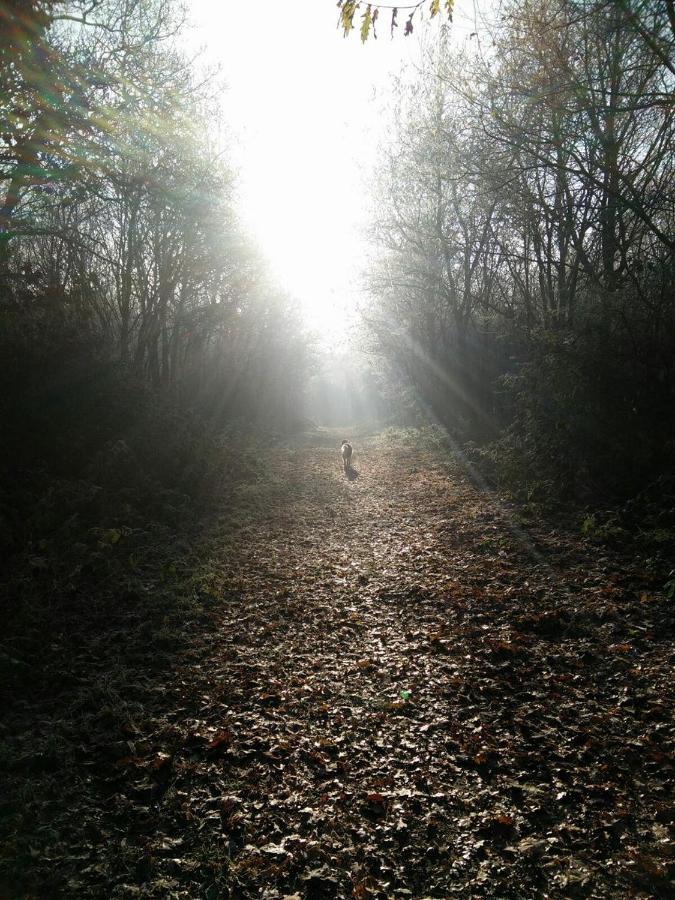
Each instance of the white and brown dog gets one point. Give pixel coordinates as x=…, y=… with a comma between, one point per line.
x=346, y=451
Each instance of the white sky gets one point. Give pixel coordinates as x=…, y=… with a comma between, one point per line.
x=302, y=103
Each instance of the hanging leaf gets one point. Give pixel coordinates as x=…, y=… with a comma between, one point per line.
x=347, y=15
x=435, y=7
x=367, y=21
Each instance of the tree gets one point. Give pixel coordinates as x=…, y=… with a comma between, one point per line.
x=435, y=226
x=525, y=229
x=126, y=256
x=58, y=67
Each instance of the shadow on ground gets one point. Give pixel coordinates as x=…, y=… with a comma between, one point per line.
x=374, y=691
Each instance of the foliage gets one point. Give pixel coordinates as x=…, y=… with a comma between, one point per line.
x=524, y=213
x=371, y=12
x=136, y=318
x=603, y=531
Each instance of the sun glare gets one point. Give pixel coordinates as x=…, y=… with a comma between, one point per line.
x=299, y=207
x=304, y=105
x=300, y=98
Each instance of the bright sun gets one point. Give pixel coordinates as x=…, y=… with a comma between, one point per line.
x=304, y=107
x=303, y=213
x=299, y=100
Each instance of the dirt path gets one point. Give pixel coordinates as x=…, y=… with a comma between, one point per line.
x=397, y=692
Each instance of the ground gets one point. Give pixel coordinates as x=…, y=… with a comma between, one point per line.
x=390, y=683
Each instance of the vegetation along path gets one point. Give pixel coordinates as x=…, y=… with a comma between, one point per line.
x=395, y=688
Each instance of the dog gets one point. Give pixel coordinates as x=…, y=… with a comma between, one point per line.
x=346, y=451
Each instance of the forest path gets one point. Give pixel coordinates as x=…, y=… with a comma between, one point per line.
x=382, y=686
x=409, y=696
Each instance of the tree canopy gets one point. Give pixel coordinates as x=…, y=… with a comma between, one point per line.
x=524, y=226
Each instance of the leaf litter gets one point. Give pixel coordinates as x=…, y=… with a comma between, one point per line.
x=390, y=689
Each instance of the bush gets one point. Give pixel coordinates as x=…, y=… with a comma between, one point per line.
x=86, y=440
x=593, y=411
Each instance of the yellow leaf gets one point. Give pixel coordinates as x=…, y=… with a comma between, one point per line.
x=435, y=7
x=111, y=536
x=347, y=15
x=367, y=19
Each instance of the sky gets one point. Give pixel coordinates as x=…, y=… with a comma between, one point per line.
x=305, y=108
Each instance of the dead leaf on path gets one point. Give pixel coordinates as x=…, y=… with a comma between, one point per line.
x=220, y=743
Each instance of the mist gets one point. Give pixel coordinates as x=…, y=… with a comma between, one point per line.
x=337, y=471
